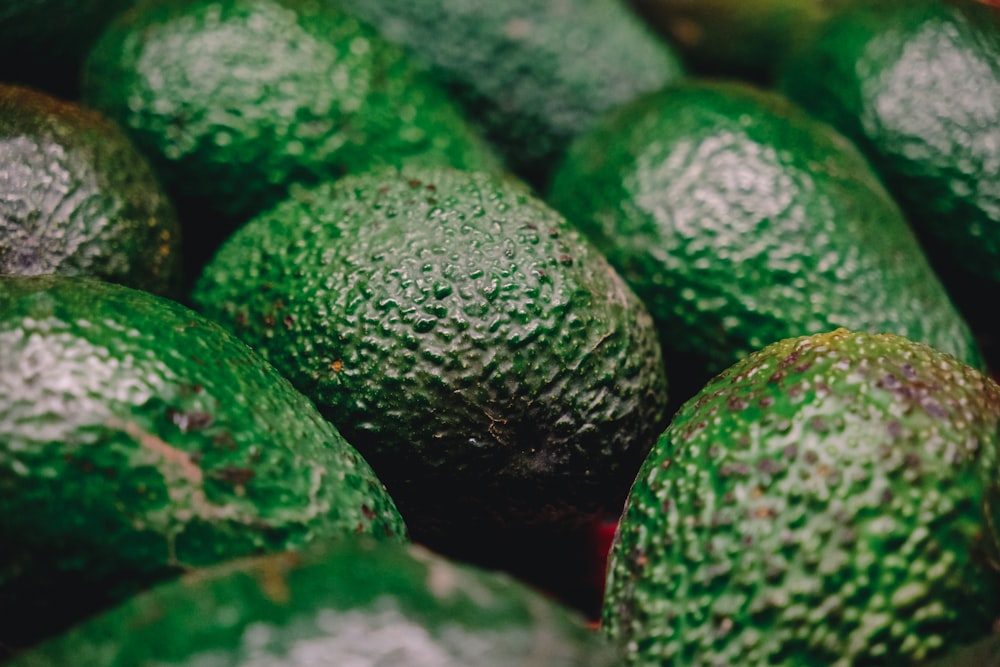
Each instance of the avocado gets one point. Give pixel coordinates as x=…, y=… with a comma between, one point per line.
x=740, y=220
x=489, y=363
x=348, y=602
x=43, y=42
x=916, y=85
x=235, y=101
x=531, y=74
x=828, y=500
x=78, y=198
x=137, y=440
x=746, y=39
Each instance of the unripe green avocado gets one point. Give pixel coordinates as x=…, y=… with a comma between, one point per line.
x=138, y=439
x=351, y=602
x=531, y=74
x=828, y=500
x=485, y=358
x=916, y=83
x=236, y=101
x=78, y=198
x=740, y=220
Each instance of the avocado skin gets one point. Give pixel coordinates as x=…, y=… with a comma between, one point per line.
x=350, y=601
x=819, y=502
x=138, y=439
x=236, y=101
x=740, y=220
x=484, y=357
x=531, y=74
x=917, y=86
x=78, y=198
x=43, y=42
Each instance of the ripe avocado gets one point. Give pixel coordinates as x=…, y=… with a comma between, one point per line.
x=350, y=602
x=828, y=500
x=77, y=198
x=138, y=439
x=531, y=73
x=916, y=84
x=740, y=220
x=43, y=42
x=488, y=362
x=237, y=100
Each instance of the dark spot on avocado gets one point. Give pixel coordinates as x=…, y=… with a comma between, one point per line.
x=233, y=475
x=189, y=421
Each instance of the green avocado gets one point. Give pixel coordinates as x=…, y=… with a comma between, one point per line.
x=828, y=500
x=236, y=101
x=137, y=440
x=532, y=74
x=351, y=602
x=78, y=198
x=487, y=360
x=740, y=220
x=916, y=84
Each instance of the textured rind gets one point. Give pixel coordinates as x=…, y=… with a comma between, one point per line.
x=740, y=221
x=820, y=502
x=138, y=439
x=531, y=74
x=78, y=198
x=917, y=85
x=360, y=603
x=235, y=100
x=482, y=355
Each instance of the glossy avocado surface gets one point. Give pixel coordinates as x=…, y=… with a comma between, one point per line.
x=138, y=439
x=830, y=499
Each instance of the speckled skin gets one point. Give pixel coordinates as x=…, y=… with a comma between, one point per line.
x=821, y=502
x=485, y=358
x=917, y=85
x=138, y=439
x=532, y=74
x=78, y=198
x=360, y=603
x=237, y=99
x=741, y=221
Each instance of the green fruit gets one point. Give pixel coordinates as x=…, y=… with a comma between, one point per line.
x=532, y=75
x=138, y=439
x=829, y=500
x=486, y=360
x=745, y=38
x=740, y=220
x=77, y=198
x=353, y=602
x=917, y=85
x=237, y=100
x=43, y=42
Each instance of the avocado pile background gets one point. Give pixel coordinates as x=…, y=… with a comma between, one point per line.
x=566, y=104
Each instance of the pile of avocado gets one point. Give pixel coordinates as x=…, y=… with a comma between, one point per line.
x=570, y=332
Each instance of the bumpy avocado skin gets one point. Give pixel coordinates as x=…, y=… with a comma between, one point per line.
x=532, y=74
x=484, y=357
x=78, y=198
x=829, y=499
x=235, y=101
x=352, y=602
x=740, y=221
x=138, y=439
x=917, y=86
